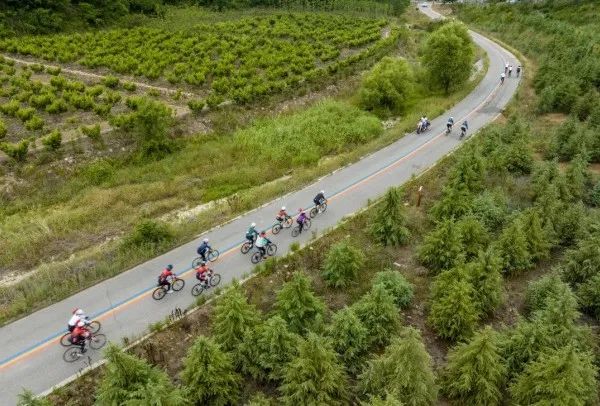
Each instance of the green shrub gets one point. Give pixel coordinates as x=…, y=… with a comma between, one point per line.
x=513, y=248
x=149, y=233
x=57, y=106
x=539, y=291
x=10, y=108
x=441, y=248
x=34, y=123
x=25, y=113
x=232, y=316
x=349, y=338
x=110, y=81
x=396, y=285
x=589, y=296
x=53, y=140
x=298, y=305
x=378, y=313
x=129, y=86
x=3, y=129
x=53, y=70
x=17, y=151
x=485, y=274
x=389, y=222
x=342, y=264
x=196, y=105
x=473, y=235
x=92, y=132
x=99, y=172
x=388, y=87
x=594, y=197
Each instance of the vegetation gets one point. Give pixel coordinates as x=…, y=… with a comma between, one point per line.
x=343, y=264
x=388, y=87
x=389, y=224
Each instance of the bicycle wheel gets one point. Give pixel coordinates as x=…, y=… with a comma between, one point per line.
x=313, y=212
x=246, y=247
x=197, y=289
x=271, y=249
x=159, y=293
x=65, y=340
x=72, y=354
x=97, y=341
x=213, y=255
x=215, y=279
x=307, y=224
x=276, y=228
x=196, y=262
x=288, y=222
x=323, y=207
x=94, y=326
x=256, y=258
x=296, y=231
x=177, y=284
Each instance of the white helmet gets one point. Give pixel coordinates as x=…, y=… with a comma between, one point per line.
x=79, y=312
x=80, y=324
x=322, y=191
x=253, y=225
x=282, y=207
x=452, y=118
x=206, y=240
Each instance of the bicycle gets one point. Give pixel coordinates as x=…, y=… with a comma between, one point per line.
x=247, y=245
x=448, y=128
x=281, y=224
x=270, y=250
x=463, y=132
x=318, y=209
x=93, y=327
x=213, y=280
x=211, y=256
x=176, y=284
x=73, y=353
x=296, y=230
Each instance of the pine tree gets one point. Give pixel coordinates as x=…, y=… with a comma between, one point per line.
x=513, y=249
x=209, y=375
x=27, y=398
x=298, y=305
x=453, y=312
x=342, y=264
x=388, y=400
x=577, y=177
x=314, y=376
x=541, y=290
x=130, y=380
x=396, y=285
x=404, y=370
x=469, y=171
x=473, y=235
x=539, y=240
x=389, y=223
x=441, y=248
x=548, y=204
x=456, y=201
x=379, y=314
x=589, y=296
x=582, y=262
x=259, y=399
x=485, y=274
x=561, y=377
x=276, y=347
x=233, y=315
x=348, y=337
x=475, y=373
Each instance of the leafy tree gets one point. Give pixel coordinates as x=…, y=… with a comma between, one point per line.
x=209, y=375
x=389, y=223
x=379, y=314
x=442, y=248
x=342, y=264
x=388, y=87
x=456, y=201
x=233, y=315
x=485, y=275
x=349, y=337
x=560, y=377
x=298, y=305
x=27, y=398
x=314, y=376
x=448, y=55
x=513, y=248
x=130, y=380
x=475, y=373
x=589, y=296
x=539, y=239
x=474, y=236
x=396, y=285
x=404, y=370
x=453, y=313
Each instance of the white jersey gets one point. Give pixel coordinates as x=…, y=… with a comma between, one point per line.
x=74, y=320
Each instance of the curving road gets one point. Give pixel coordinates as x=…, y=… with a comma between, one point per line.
x=123, y=304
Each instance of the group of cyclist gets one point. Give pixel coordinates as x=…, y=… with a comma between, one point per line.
x=424, y=124
x=508, y=69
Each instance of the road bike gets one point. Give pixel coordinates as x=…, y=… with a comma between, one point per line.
x=318, y=209
x=296, y=229
x=93, y=327
x=247, y=245
x=212, y=256
x=213, y=280
x=270, y=250
x=421, y=128
x=176, y=284
x=74, y=352
x=281, y=224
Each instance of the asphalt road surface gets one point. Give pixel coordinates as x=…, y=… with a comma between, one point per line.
x=30, y=355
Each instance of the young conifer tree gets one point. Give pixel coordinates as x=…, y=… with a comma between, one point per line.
x=389, y=223
x=233, y=315
x=513, y=248
x=378, y=313
x=485, y=274
x=298, y=305
x=442, y=248
x=349, y=337
x=342, y=264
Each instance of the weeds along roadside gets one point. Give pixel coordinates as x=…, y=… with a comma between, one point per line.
x=100, y=262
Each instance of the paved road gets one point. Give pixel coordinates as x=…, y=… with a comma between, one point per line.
x=123, y=303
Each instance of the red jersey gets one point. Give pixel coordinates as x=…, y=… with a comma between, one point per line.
x=166, y=273
x=201, y=271
x=79, y=331
x=282, y=213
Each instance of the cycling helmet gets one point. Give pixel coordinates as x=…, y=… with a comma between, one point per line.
x=169, y=267
x=282, y=207
x=80, y=324
x=79, y=312
x=452, y=118
x=253, y=225
x=322, y=191
x=202, y=263
x=206, y=240
x=262, y=233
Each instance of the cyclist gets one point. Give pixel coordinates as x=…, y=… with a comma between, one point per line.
x=301, y=219
x=506, y=67
x=510, y=70
x=261, y=244
x=79, y=335
x=449, y=124
x=319, y=198
x=203, y=249
x=163, y=278
x=78, y=315
x=502, y=76
x=282, y=215
x=251, y=234
x=463, y=128
x=201, y=273
x=518, y=70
